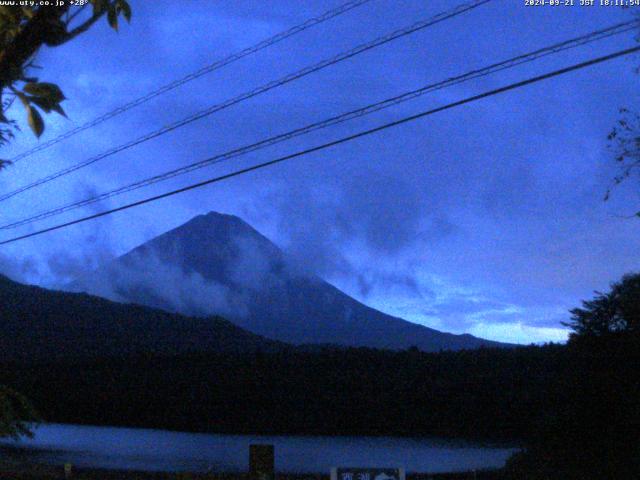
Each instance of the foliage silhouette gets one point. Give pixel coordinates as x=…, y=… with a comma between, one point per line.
x=595, y=433
x=24, y=29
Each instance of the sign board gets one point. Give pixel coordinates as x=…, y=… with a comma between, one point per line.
x=366, y=473
x=261, y=462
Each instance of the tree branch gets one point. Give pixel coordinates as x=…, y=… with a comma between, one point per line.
x=82, y=27
x=75, y=14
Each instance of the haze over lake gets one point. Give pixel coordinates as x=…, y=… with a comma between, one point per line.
x=159, y=450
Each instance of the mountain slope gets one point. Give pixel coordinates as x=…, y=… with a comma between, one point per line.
x=219, y=264
x=40, y=324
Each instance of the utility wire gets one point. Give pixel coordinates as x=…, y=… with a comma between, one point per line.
x=197, y=74
x=420, y=25
x=333, y=143
x=369, y=109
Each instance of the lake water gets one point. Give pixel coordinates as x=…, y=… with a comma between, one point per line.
x=158, y=450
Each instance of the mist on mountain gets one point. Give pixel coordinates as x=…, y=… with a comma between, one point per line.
x=217, y=264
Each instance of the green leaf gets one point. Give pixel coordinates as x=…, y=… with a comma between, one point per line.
x=35, y=121
x=22, y=97
x=58, y=109
x=112, y=18
x=28, y=12
x=47, y=105
x=45, y=90
x=126, y=9
x=99, y=6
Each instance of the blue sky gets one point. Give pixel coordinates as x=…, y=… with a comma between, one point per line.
x=485, y=219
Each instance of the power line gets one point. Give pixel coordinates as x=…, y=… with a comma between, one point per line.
x=333, y=143
x=420, y=25
x=197, y=74
x=369, y=109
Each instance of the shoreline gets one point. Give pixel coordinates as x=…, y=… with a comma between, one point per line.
x=16, y=462
x=460, y=441
x=14, y=470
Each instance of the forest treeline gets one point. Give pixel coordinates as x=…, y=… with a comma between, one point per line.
x=486, y=393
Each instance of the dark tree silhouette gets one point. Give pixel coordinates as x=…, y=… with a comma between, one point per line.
x=595, y=431
x=614, y=312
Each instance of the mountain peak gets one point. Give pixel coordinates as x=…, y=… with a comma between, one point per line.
x=218, y=264
x=212, y=226
x=220, y=218
x=212, y=220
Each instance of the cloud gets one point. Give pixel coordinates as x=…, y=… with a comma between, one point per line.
x=252, y=267
x=19, y=270
x=330, y=227
x=162, y=285
x=167, y=273
x=520, y=333
x=66, y=264
x=400, y=281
